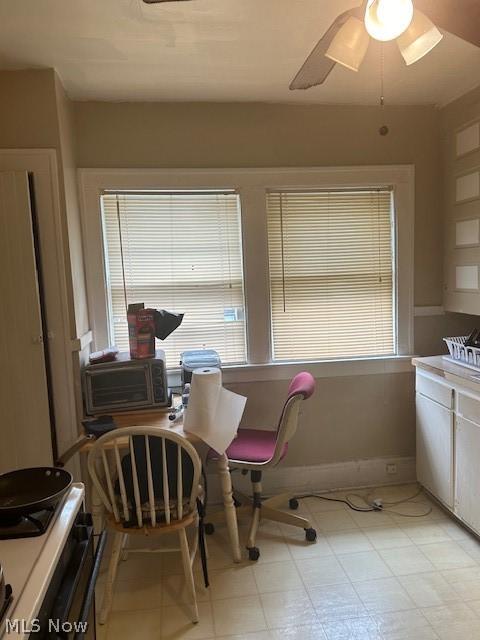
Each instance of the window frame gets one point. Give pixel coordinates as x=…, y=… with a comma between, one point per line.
x=252, y=186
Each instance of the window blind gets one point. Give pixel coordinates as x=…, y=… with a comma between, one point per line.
x=331, y=273
x=181, y=252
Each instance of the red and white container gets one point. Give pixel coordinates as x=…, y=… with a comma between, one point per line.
x=141, y=331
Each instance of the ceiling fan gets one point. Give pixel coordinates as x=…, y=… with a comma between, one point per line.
x=416, y=29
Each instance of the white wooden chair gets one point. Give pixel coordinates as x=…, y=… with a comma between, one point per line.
x=146, y=496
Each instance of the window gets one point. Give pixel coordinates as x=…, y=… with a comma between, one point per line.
x=346, y=278
x=332, y=282
x=181, y=252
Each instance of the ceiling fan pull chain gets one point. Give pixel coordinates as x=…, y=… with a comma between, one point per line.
x=382, y=75
x=383, y=131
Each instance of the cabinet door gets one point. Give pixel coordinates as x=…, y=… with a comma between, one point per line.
x=467, y=476
x=435, y=448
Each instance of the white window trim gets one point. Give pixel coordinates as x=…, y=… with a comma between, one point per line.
x=252, y=185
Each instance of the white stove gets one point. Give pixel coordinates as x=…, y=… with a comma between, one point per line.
x=29, y=564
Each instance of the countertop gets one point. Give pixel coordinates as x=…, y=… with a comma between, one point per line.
x=451, y=371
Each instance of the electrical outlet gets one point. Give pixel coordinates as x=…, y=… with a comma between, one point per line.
x=391, y=468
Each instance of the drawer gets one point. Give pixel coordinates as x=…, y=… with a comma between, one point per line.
x=468, y=407
x=435, y=389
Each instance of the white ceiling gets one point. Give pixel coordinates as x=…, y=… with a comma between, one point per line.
x=214, y=50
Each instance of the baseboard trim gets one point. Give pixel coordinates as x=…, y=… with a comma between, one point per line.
x=326, y=477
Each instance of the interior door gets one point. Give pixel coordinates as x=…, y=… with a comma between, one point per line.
x=435, y=448
x=25, y=430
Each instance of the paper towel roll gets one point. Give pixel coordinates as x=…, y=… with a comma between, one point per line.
x=213, y=413
x=202, y=401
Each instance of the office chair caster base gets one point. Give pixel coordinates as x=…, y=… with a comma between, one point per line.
x=209, y=528
x=293, y=504
x=310, y=535
x=253, y=553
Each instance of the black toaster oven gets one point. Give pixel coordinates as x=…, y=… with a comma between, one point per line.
x=126, y=384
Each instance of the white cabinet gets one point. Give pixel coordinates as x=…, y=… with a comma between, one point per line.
x=448, y=443
x=467, y=476
x=435, y=447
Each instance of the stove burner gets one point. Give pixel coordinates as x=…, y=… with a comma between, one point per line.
x=6, y=603
x=29, y=526
x=10, y=522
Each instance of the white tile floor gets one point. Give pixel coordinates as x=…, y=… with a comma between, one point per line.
x=375, y=576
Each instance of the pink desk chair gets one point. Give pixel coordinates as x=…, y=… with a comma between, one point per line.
x=255, y=450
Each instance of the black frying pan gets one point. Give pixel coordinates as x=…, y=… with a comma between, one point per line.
x=27, y=491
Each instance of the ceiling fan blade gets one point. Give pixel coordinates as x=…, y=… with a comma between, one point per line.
x=158, y=1
x=461, y=18
x=317, y=66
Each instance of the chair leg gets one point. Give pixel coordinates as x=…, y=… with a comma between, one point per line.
x=124, y=554
x=252, y=534
x=218, y=517
x=244, y=513
x=278, y=501
x=243, y=504
x=111, y=575
x=242, y=498
x=256, y=478
x=187, y=568
x=229, y=506
x=285, y=518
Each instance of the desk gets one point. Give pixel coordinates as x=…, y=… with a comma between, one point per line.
x=160, y=419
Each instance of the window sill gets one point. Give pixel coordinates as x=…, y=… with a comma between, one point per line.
x=319, y=369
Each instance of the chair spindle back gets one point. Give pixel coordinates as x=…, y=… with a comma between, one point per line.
x=147, y=484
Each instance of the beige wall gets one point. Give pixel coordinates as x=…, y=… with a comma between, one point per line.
x=459, y=112
x=36, y=114
x=28, y=116
x=365, y=416
x=349, y=417
x=262, y=135
x=72, y=211
x=75, y=264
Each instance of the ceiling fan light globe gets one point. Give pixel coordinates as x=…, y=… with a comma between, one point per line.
x=387, y=19
x=350, y=45
x=419, y=39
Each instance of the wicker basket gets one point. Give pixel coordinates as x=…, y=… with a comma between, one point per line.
x=461, y=353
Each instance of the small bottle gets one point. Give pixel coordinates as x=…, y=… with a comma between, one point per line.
x=185, y=395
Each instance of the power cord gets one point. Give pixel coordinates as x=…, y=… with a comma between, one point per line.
x=343, y=501
x=429, y=508
x=372, y=504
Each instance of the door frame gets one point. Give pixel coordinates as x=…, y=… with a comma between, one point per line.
x=43, y=165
